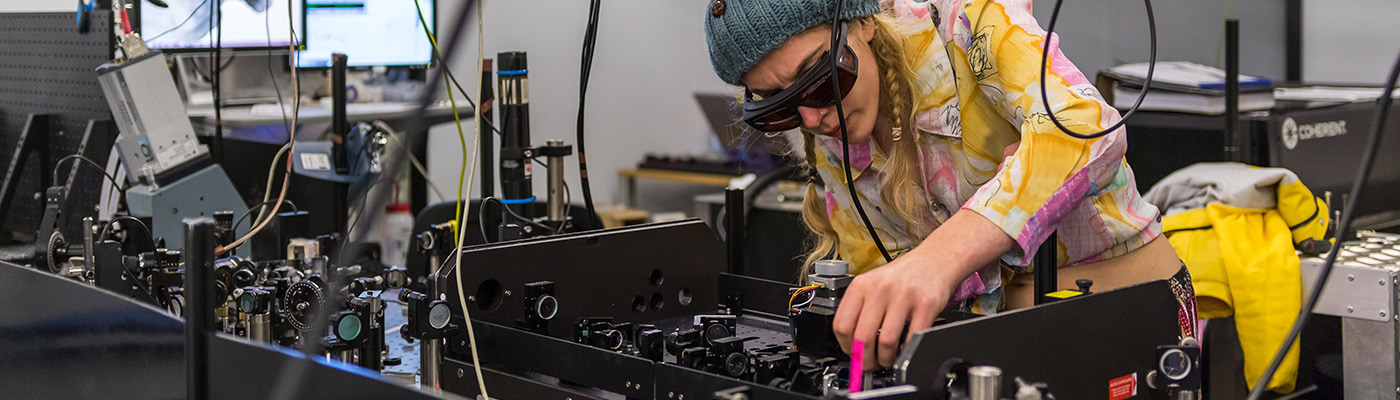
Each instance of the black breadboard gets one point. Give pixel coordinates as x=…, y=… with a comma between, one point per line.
x=47, y=67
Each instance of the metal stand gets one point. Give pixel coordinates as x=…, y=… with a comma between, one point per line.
x=734, y=237
x=198, y=257
x=1046, y=277
x=33, y=139
x=340, y=128
x=1235, y=143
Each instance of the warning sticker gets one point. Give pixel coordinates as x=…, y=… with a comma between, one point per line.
x=316, y=162
x=1123, y=387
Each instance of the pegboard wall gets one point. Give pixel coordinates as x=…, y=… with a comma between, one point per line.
x=48, y=67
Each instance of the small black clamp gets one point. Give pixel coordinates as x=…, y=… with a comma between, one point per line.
x=428, y=319
x=554, y=151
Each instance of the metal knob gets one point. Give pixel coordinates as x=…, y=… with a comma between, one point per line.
x=832, y=268
x=984, y=383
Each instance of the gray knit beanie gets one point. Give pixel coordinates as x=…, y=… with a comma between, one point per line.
x=740, y=32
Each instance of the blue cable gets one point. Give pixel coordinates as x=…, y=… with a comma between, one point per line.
x=519, y=201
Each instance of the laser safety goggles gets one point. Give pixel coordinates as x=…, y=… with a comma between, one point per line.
x=814, y=89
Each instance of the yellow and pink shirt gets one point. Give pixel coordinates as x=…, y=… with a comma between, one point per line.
x=978, y=63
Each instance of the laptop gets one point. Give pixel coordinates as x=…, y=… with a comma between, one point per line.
x=725, y=116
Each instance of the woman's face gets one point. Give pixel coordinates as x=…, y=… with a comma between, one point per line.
x=786, y=64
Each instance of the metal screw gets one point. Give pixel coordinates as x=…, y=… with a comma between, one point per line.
x=507, y=293
x=38, y=196
x=471, y=298
x=680, y=397
x=638, y=386
x=460, y=372
x=1349, y=309
x=672, y=395
x=628, y=384
x=1351, y=277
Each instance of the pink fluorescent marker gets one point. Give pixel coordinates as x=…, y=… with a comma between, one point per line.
x=857, y=365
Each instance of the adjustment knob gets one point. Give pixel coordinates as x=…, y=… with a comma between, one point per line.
x=832, y=268
x=1084, y=285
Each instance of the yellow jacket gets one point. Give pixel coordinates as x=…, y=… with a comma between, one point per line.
x=1236, y=228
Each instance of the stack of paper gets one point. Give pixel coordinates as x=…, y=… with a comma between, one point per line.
x=1186, y=87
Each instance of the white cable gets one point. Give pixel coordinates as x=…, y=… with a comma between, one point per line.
x=291, y=139
x=461, y=232
x=271, y=173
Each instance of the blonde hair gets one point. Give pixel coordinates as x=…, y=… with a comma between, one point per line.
x=901, y=187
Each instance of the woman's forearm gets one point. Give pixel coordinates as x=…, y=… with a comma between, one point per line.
x=967, y=242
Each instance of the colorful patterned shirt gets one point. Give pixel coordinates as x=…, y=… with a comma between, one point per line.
x=978, y=64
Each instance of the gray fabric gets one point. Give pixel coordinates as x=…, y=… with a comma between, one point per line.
x=1231, y=184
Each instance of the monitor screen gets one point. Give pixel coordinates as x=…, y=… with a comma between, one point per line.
x=187, y=24
x=368, y=32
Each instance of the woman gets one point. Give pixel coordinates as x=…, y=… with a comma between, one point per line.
x=961, y=172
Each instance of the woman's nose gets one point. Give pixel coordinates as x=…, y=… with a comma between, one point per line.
x=812, y=117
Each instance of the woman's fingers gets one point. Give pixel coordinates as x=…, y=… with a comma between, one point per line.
x=890, y=332
x=921, y=319
x=872, y=314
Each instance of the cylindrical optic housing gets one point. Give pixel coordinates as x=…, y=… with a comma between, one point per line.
x=555, y=166
x=984, y=383
x=260, y=328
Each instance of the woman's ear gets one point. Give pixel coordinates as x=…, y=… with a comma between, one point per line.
x=864, y=29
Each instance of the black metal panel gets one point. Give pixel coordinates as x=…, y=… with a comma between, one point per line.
x=519, y=351
x=677, y=382
x=60, y=339
x=417, y=263
x=757, y=295
x=596, y=273
x=55, y=333
x=240, y=370
x=1076, y=346
x=503, y=385
x=46, y=66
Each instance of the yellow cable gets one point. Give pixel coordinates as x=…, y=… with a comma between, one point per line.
x=476, y=147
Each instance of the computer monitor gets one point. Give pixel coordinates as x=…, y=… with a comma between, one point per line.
x=247, y=24
x=369, y=32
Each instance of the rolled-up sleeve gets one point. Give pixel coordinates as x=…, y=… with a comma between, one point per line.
x=1051, y=173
